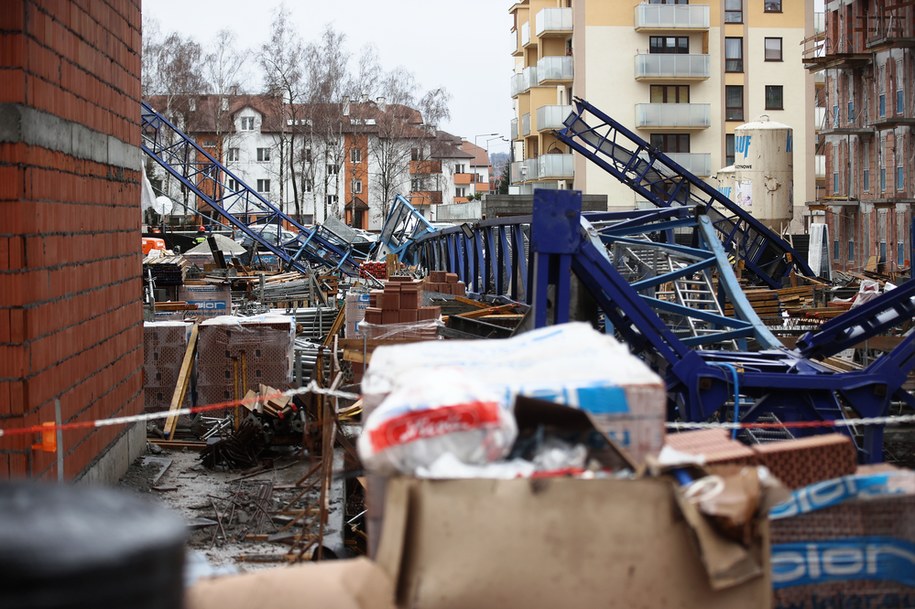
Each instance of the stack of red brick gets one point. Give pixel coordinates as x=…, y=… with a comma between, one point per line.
x=444, y=283
x=377, y=269
x=796, y=463
x=400, y=302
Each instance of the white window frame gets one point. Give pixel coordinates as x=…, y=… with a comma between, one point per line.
x=355, y=155
x=247, y=123
x=357, y=187
x=263, y=185
x=263, y=155
x=232, y=155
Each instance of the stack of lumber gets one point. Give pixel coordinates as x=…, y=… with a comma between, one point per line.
x=166, y=270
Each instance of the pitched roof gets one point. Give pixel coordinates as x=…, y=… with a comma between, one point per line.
x=447, y=146
x=480, y=156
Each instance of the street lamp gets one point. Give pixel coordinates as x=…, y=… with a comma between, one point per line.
x=481, y=135
x=498, y=137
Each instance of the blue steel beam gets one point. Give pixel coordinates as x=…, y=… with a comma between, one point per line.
x=663, y=182
x=204, y=176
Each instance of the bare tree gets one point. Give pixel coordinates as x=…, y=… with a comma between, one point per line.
x=282, y=59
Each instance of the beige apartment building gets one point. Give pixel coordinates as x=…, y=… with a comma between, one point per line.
x=683, y=74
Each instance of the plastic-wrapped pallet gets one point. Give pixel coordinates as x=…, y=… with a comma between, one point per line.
x=570, y=364
x=164, y=344
x=262, y=346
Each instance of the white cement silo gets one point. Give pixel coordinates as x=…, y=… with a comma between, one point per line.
x=764, y=171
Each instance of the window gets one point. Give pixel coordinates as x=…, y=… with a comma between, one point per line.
x=835, y=182
x=232, y=155
x=773, y=49
x=355, y=155
x=733, y=11
x=729, y=149
x=900, y=254
x=835, y=249
x=773, y=6
x=670, y=142
x=263, y=154
x=883, y=179
x=416, y=184
x=733, y=54
x=900, y=101
x=882, y=259
x=415, y=154
x=851, y=250
x=357, y=187
x=247, y=123
x=459, y=168
x=308, y=184
x=231, y=184
x=899, y=178
x=331, y=199
x=670, y=94
x=308, y=155
x=668, y=44
x=851, y=111
x=835, y=115
x=333, y=169
x=867, y=179
x=460, y=191
x=733, y=102
x=775, y=97
x=263, y=186
x=881, y=105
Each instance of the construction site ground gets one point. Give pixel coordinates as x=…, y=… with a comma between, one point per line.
x=233, y=516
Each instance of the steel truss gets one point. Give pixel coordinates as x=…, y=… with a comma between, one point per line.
x=237, y=203
x=767, y=257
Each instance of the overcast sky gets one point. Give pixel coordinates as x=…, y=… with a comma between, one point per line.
x=462, y=46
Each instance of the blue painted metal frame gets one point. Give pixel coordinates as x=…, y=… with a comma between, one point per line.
x=699, y=382
x=199, y=171
x=664, y=183
x=402, y=226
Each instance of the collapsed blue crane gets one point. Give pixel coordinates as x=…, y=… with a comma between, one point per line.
x=662, y=181
x=237, y=203
x=534, y=258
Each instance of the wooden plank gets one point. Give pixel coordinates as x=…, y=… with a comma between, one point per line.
x=487, y=311
x=184, y=376
x=471, y=302
x=335, y=327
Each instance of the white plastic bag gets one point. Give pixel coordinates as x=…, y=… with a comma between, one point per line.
x=440, y=411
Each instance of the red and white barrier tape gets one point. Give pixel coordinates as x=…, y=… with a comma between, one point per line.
x=312, y=387
x=893, y=420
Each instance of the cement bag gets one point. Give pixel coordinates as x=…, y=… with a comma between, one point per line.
x=440, y=411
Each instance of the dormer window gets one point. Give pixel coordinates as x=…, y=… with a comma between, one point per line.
x=247, y=123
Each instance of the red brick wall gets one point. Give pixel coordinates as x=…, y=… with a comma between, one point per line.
x=70, y=293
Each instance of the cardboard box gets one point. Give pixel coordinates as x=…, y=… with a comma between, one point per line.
x=336, y=584
x=562, y=542
x=211, y=300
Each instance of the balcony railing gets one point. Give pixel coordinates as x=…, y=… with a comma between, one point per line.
x=463, y=179
x=819, y=166
x=819, y=22
x=668, y=65
x=514, y=129
x=427, y=167
x=697, y=163
x=426, y=197
x=524, y=81
x=671, y=17
x=555, y=166
x=513, y=44
x=554, y=21
x=517, y=172
x=529, y=170
x=551, y=117
x=673, y=116
x=525, y=33
x=551, y=69
x=525, y=124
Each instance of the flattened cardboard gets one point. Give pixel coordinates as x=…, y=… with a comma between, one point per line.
x=547, y=543
x=339, y=584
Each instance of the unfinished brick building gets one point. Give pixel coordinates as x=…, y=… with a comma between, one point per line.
x=71, y=324
x=868, y=56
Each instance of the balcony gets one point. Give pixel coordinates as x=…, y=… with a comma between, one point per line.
x=525, y=124
x=819, y=165
x=529, y=170
x=551, y=117
x=672, y=116
x=554, y=70
x=514, y=129
x=463, y=179
x=513, y=45
x=819, y=22
x=658, y=66
x=526, y=34
x=697, y=163
x=517, y=173
x=671, y=17
x=524, y=81
x=426, y=197
x=424, y=168
x=554, y=22
x=554, y=166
